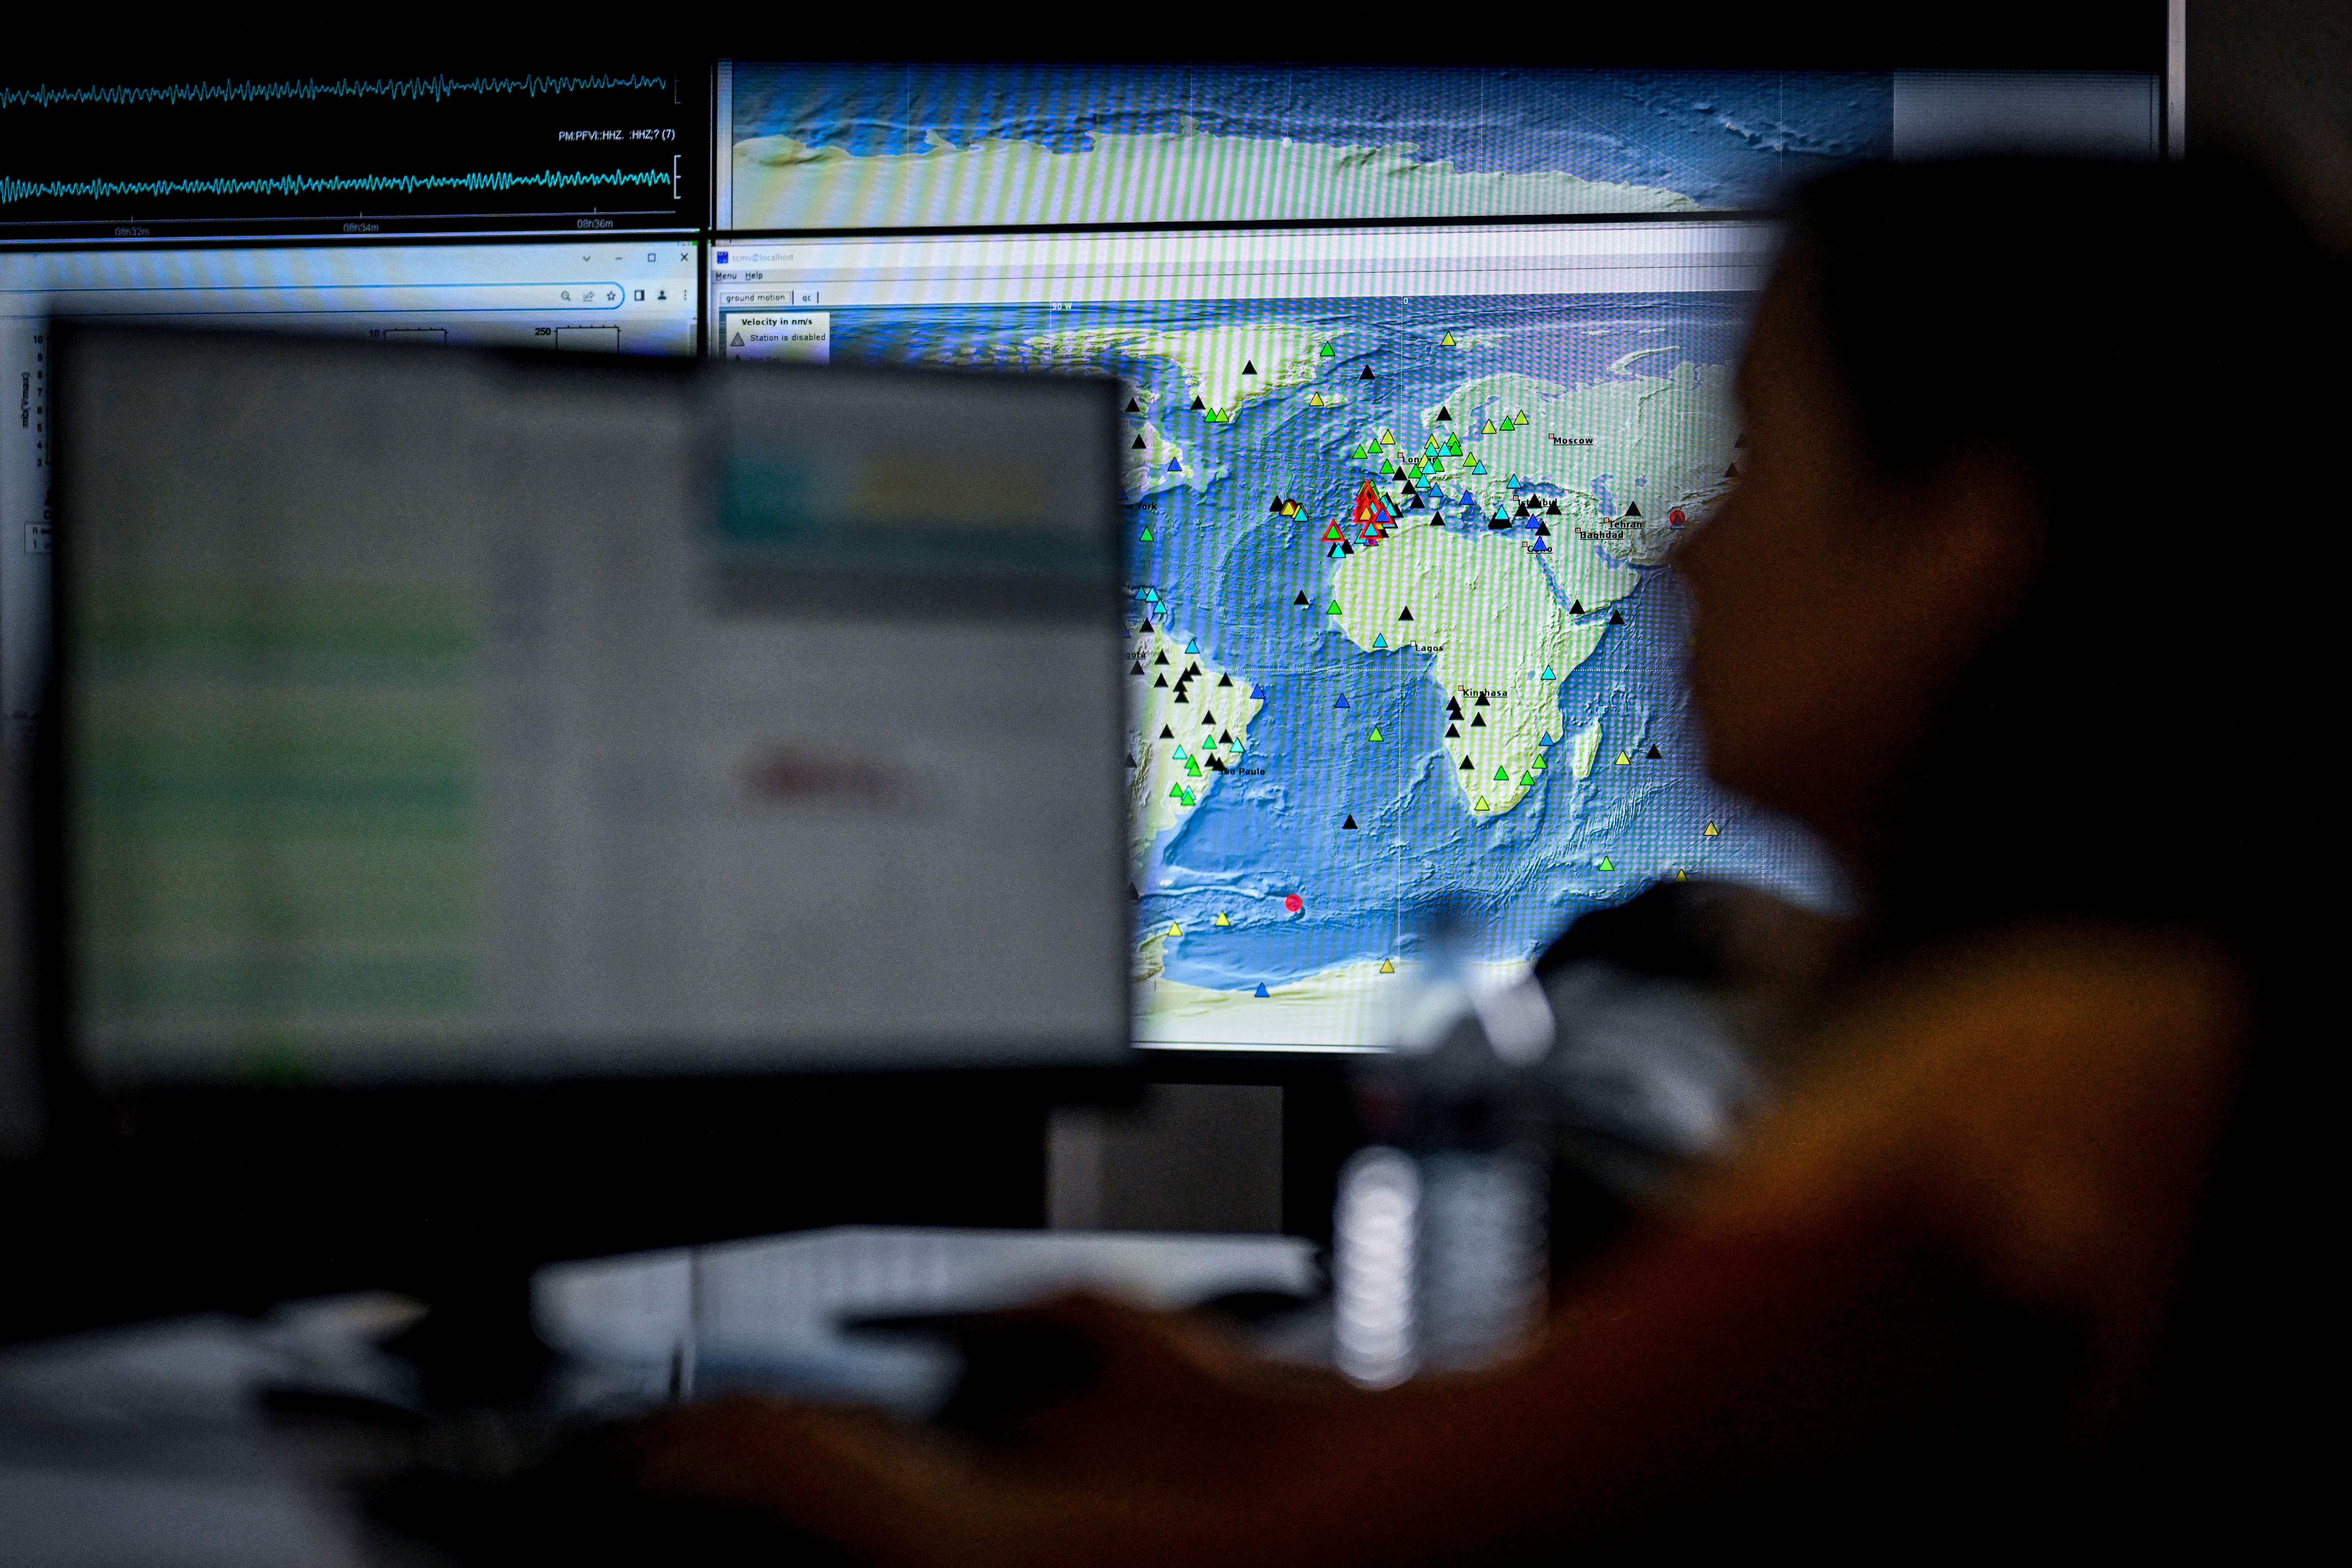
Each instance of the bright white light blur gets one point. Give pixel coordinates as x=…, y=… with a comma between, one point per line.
x=1373, y=1246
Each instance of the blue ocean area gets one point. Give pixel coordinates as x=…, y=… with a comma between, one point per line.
x=1727, y=139
x=1209, y=559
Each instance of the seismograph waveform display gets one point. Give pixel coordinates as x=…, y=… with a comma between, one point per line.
x=417, y=89
x=16, y=190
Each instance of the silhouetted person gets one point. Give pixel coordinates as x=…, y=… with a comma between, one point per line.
x=2015, y=605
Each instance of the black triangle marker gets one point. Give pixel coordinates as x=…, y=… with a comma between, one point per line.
x=1198, y=404
x=1654, y=751
x=1138, y=446
x=1632, y=509
x=1350, y=823
x=1133, y=406
x=1615, y=619
x=1249, y=367
x=1300, y=600
x=1577, y=608
x=1367, y=375
x=1165, y=733
x=1405, y=613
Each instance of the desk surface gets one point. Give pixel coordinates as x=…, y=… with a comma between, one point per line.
x=147, y=1445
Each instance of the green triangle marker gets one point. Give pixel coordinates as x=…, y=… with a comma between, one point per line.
x=1376, y=733
x=1334, y=609
x=1607, y=865
x=1146, y=537
x=1502, y=775
x=1526, y=780
x=1329, y=352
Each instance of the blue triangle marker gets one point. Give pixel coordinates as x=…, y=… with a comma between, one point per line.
x=1261, y=989
x=1342, y=703
x=1174, y=467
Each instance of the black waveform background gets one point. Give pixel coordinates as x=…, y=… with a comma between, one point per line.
x=98, y=155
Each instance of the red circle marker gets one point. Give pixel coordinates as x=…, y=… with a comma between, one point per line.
x=1676, y=517
x=1294, y=903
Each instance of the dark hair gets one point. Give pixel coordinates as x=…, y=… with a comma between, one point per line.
x=2159, y=349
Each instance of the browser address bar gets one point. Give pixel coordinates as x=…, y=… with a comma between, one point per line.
x=350, y=299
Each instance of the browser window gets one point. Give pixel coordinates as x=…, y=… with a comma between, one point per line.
x=603, y=297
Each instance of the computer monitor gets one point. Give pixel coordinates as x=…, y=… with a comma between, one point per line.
x=1427, y=369
x=439, y=715
x=519, y=808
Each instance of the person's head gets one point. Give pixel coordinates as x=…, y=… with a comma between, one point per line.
x=2038, y=456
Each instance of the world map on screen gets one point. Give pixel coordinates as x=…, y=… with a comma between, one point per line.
x=852, y=146
x=1397, y=624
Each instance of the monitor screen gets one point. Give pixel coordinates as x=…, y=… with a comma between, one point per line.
x=1344, y=302
x=435, y=715
x=1400, y=493
x=99, y=152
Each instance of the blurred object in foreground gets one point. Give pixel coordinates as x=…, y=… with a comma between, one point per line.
x=1515, y=1129
x=1438, y=1235
x=1672, y=1009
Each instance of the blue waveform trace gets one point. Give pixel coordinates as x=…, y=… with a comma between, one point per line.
x=16, y=190
x=437, y=88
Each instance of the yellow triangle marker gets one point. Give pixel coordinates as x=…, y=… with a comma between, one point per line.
x=1447, y=342
x=1713, y=831
x=1483, y=806
x=1175, y=930
x=1624, y=761
x=1223, y=919
x=1681, y=876
x=1387, y=966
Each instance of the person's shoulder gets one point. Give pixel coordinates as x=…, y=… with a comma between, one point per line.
x=2045, y=1097
x=2022, y=1015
